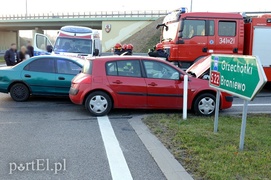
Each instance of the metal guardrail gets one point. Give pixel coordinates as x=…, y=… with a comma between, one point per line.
x=255, y=14
x=100, y=14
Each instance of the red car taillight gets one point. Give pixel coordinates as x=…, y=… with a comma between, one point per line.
x=86, y=80
x=75, y=85
x=82, y=79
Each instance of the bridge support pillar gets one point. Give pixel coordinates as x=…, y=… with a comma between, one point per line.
x=18, y=42
x=6, y=38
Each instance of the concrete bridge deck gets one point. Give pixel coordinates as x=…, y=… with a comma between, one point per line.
x=57, y=20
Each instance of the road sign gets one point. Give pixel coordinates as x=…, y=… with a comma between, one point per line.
x=242, y=76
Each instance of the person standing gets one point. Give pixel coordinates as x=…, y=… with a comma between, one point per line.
x=159, y=51
x=117, y=49
x=11, y=55
x=130, y=48
x=22, y=54
x=124, y=48
x=30, y=49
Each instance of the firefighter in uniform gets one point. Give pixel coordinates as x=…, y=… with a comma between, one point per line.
x=129, y=49
x=124, y=48
x=117, y=49
x=158, y=52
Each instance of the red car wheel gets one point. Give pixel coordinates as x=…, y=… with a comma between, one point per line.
x=98, y=103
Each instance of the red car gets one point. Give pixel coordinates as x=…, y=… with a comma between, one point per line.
x=139, y=82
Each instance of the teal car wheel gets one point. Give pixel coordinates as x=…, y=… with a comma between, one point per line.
x=19, y=92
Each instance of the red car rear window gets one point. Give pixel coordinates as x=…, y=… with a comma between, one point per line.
x=87, y=69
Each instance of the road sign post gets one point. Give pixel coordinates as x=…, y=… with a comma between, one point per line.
x=242, y=76
x=243, y=126
x=217, y=110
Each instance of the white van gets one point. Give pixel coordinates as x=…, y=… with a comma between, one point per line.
x=72, y=41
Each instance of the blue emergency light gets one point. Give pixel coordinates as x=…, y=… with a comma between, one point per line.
x=76, y=29
x=183, y=10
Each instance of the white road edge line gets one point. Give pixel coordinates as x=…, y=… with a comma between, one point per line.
x=117, y=163
x=241, y=105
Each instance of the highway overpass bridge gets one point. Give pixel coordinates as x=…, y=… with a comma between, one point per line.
x=123, y=24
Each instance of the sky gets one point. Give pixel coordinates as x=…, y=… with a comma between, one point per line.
x=54, y=6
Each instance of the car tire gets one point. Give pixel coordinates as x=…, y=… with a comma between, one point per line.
x=19, y=92
x=98, y=103
x=205, y=104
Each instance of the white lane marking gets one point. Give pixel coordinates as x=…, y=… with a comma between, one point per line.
x=241, y=105
x=117, y=163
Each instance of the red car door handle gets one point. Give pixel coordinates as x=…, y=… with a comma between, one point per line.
x=152, y=84
x=117, y=82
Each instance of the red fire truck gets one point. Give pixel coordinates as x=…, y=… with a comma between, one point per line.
x=188, y=36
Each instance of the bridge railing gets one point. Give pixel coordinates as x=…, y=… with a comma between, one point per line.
x=101, y=14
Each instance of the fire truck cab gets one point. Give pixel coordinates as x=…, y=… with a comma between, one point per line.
x=189, y=36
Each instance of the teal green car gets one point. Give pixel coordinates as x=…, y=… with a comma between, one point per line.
x=41, y=75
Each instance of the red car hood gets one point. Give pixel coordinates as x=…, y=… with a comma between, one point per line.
x=201, y=66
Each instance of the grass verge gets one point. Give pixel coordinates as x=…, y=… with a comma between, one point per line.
x=216, y=156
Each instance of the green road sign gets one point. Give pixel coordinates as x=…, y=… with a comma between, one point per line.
x=242, y=76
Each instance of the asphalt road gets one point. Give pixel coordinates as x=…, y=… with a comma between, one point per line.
x=63, y=134
x=260, y=104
